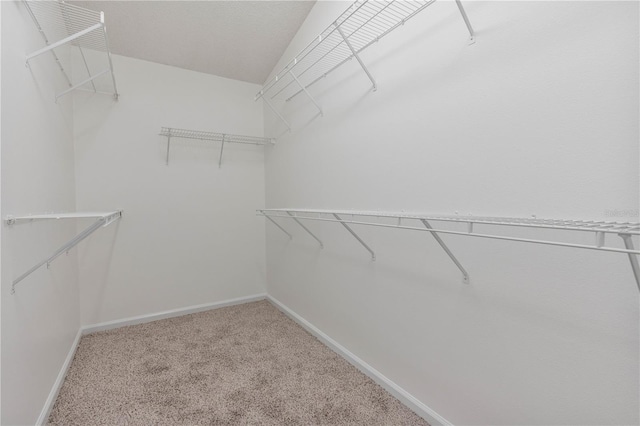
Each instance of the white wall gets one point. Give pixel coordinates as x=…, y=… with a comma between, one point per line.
x=189, y=234
x=40, y=321
x=540, y=116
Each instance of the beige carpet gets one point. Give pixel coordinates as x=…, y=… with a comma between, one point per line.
x=245, y=364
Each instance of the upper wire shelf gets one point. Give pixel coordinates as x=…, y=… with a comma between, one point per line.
x=223, y=138
x=358, y=27
x=60, y=23
x=599, y=229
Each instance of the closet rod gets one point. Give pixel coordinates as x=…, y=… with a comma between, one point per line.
x=103, y=220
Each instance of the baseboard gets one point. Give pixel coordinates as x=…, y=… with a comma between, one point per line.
x=402, y=395
x=51, y=399
x=109, y=325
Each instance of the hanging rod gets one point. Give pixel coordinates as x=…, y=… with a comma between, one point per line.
x=103, y=219
x=59, y=24
x=358, y=27
x=223, y=138
x=599, y=229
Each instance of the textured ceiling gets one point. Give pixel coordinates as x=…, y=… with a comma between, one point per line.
x=242, y=40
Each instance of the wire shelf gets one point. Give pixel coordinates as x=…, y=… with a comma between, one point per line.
x=223, y=138
x=489, y=225
x=60, y=23
x=213, y=136
x=102, y=219
x=632, y=228
x=358, y=27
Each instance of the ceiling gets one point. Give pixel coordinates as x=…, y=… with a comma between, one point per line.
x=242, y=40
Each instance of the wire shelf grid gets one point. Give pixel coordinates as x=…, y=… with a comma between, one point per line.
x=625, y=230
x=632, y=228
x=362, y=24
x=213, y=136
x=61, y=23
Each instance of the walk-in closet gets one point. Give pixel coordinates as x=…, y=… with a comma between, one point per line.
x=301, y=212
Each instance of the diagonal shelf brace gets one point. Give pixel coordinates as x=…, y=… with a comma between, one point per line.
x=82, y=83
x=472, y=35
x=306, y=91
x=306, y=229
x=168, y=145
x=355, y=54
x=348, y=228
x=465, y=274
x=64, y=41
x=628, y=243
x=221, y=151
x=101, y=222
x=277, y=224
x=266, y=101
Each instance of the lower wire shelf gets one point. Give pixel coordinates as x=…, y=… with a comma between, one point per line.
x=599, y=229
x=102, y=219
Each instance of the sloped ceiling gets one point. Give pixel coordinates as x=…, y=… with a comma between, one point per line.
x=242, y=40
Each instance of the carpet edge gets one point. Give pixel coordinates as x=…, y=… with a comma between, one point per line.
x=57, y=385
x=402, y=395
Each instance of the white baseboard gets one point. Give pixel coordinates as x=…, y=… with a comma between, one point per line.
x=51, y=399
x=109, y=325
x=402, y=395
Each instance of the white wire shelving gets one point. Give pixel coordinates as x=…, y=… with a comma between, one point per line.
x=469, y=227
x=223, y=138
x=59, y=24
x=361, y=25
x=102, y=219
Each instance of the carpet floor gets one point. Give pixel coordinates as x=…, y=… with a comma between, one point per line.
x=246, y=364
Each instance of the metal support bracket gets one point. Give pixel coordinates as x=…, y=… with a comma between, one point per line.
x=101, y=222
x=221, y=150
x=348, y=228
x=82, y=83
x=628, y=243
x=307, y=92
x=168, y=145
x=277, y=224
x=266, y=101
x=355, y=54
x=472, y=36
x=64, y=41
x=306, y=229
x=465, y=274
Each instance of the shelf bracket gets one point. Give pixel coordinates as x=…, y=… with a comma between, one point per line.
x=168, y=145
x=628, y=243
x=64, y=41
x=306, y=91
x=465, y=274
x=348, y=228
x=276, y=224
x=266, y=101
x=472, y=35
x=221, y=150
x=82, y=83
x=355, y=54
x=306, y=229
x=101, y=222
